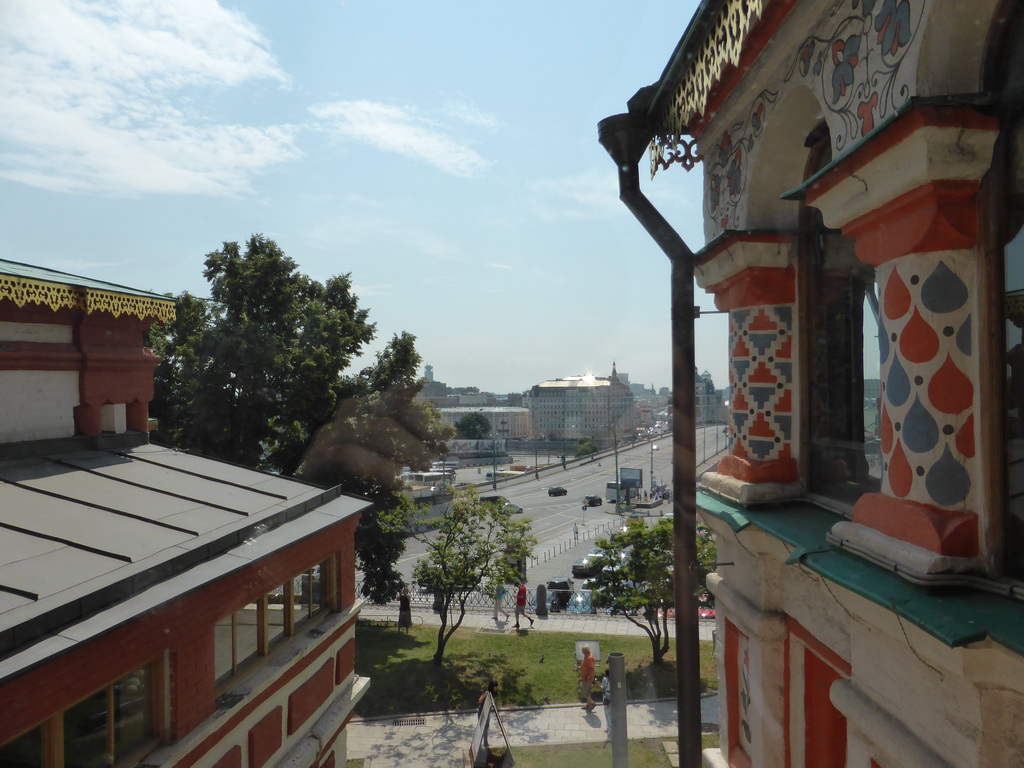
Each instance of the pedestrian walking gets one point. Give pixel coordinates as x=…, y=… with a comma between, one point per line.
x=587, y=678
x=499, y=599
x=404, y=611
x=521, y=605
x=576, y=533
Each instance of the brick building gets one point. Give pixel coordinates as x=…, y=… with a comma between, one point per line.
x=155, y=607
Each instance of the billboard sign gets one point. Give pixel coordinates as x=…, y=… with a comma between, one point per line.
x=631, y=478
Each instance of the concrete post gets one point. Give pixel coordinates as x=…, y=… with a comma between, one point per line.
x=616, y=714
x=542, y=600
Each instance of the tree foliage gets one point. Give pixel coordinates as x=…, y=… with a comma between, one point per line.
x=253, y=373
x=641, y=586
x=377, y=428
x=473, y=426
x=249, y=375
x=475, y=542
x=585, y=446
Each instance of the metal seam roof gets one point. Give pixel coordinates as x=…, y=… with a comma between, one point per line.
x=91, y=528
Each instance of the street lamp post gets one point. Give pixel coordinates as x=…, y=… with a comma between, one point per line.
x=653, y=449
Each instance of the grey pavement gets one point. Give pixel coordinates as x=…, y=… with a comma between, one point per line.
x=443, y=738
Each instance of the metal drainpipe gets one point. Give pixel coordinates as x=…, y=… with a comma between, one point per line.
x=626, y=137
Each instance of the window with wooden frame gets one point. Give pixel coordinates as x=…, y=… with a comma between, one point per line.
x=841, y=325
x=116, y=725
x=251, y=632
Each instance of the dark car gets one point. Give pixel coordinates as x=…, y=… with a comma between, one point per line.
x=515, y=509
x=559, y=593
x=589, y=565
x=592, y=501
x=557, y=490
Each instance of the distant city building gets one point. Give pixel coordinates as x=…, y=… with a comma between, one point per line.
x=428, y=372
x=709, y=405
x=506, y=422
x=582, y=406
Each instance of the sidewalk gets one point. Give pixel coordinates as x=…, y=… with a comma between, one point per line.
x=573, y=623
x=443, y=738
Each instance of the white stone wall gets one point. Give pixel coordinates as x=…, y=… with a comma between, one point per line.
x=37, y=405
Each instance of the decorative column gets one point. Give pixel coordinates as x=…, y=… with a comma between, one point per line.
x=907, y=197
x=752, y=276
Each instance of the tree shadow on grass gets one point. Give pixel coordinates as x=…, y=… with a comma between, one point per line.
x=651, y=681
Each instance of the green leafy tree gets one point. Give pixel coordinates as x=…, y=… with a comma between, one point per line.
x=640, y=587
x=253, y=373
x=377, y=428
x=249, y=375
x=473, y=426
x=585, y=446
x=707, y=557
x=475, y=542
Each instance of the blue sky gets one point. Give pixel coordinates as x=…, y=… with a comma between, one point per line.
x=443, y=153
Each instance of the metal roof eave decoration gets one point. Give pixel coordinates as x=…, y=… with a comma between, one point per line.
x=708, y=55
x=23, y=284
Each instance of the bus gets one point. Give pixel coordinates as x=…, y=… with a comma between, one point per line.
x=611, y=491
x=448, y=465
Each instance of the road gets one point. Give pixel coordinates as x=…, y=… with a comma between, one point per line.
x=552, y=517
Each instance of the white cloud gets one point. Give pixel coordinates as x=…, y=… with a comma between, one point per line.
x=500, y=266
x=402, y=130
x=585, y=195
x=94, y=96
x=387, y=236
x=467, y=113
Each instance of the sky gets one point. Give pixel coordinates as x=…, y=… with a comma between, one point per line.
x=444, y=154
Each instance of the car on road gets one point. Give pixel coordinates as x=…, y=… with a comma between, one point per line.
x=592, y=501
x=515, y=509
x=559, y=593
x=589, y=564
x=557, y=490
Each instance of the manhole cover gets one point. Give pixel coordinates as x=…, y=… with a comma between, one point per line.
x=492, y=631
x=410, y=721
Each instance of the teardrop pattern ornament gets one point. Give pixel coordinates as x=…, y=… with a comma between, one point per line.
x=948, y=482
x=950, y=391
x=883, y=342
x=885, y=430
x=965, y=438
x=963, y=337
x=920, y=432
x=943, y=291
x=896, y=300
x=897, y=384
x=900, y=476
x=919, y=342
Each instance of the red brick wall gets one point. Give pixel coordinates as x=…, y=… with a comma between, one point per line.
x=307, y=698
x=185, y=626
x=233, y=759
x=265, y=739
x=346, y=661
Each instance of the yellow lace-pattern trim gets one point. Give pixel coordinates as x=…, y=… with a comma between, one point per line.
x=23, y=290
x=722, y=47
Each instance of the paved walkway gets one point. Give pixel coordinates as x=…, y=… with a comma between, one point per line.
x=443, y=738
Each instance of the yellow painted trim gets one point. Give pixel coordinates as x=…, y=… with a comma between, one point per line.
x=23, y=290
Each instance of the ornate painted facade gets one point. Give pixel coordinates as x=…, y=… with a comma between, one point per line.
x=863, y=209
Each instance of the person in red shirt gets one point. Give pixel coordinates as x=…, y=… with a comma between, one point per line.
x=521, y=605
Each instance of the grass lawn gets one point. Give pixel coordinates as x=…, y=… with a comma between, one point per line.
x=643, y=753
x=532, y=668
